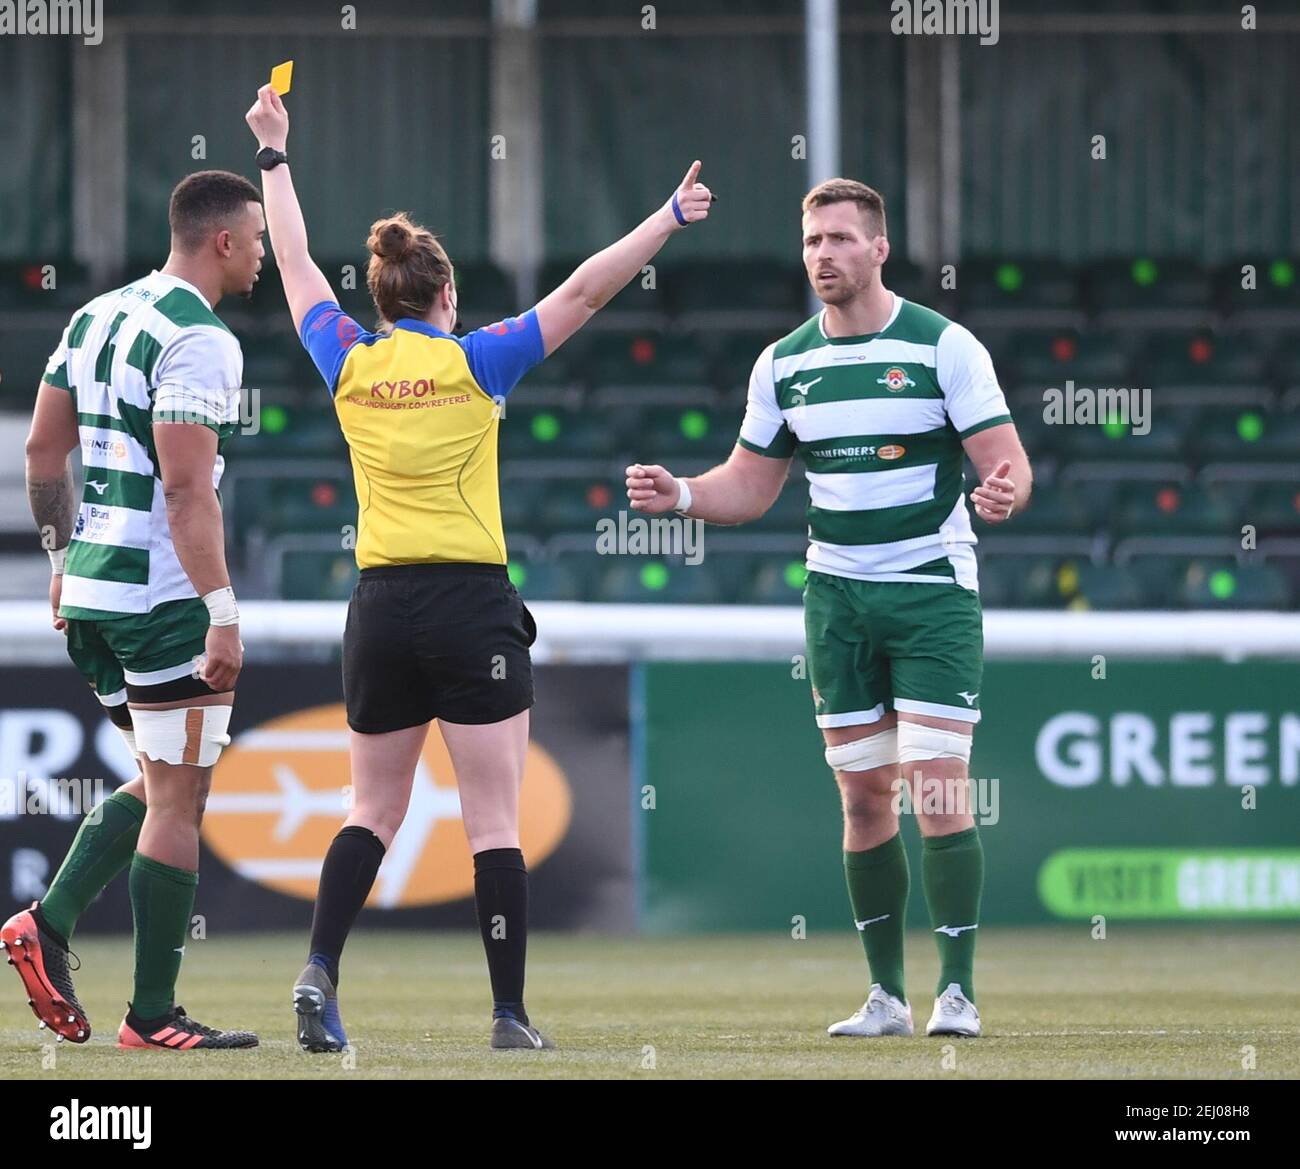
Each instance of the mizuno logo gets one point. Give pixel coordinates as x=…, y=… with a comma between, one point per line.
x=100, y=487
x=970, y=698
x=799, y=387
x=953, y=930
x=179, y=950
x=870, y=921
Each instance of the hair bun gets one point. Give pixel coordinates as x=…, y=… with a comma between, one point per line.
x=391, y=240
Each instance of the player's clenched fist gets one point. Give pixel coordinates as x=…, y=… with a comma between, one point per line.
x=690, y=202
x=651, y=489
x=995, y=498
x=268, y=118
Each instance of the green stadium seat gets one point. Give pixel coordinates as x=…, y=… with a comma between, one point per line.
x=1105, y=586
x=1242, y=434
x=544, y=580
x=1146, y=283
x=576, y=505
x=1025, y=580
x=909, y=280
x=294, y=430
x=1274, y=509
x=1201, y=357
x=659, y=581
x=1160, y=509
x=1232, y=586
x=1013, y=283
x=690, y=431
x=1048, y=357
x=1053, y=509
x=711, y=285
x=734, y=355
x=1166, y=438
x=306, y=504
x=779, y=581
x=1277, y=284
x=645, y=358
x=318, y=576
x=540, y=432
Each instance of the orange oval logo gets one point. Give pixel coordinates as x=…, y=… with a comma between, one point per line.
x=282, y=791
x=892, y=451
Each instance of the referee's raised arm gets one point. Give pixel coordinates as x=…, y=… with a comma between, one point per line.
x=597, y=280
x=305, y=285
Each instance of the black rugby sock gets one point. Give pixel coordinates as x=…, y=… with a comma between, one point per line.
x=346, y=876
x=501, y=901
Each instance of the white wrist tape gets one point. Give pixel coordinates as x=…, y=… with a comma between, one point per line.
x=684, y=498
x=222, y=609
x=57, y=557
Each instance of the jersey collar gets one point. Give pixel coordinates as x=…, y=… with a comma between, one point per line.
x=179, y=283
x=893, y=316
x=424, y=327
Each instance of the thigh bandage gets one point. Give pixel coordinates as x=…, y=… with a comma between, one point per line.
x=187, y=734
x=917, y=743
x=878, y=750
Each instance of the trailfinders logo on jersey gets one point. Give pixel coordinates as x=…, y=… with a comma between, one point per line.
x=53, y=18
x=945, y=18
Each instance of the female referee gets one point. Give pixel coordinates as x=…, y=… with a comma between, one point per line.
x=434, y=628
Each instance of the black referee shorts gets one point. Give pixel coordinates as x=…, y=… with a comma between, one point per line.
x=426, y=641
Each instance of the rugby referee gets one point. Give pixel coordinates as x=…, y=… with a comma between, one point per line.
x=435, y=629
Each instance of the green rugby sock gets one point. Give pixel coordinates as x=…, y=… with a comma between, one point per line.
x=161, y=899
x=103, y=847
x=878, y=880
x=952, y=874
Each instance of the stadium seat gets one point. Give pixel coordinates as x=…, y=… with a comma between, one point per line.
x=1048, y=357
x=540, y=432
x=1105, y=586
x=484, y=290
x=1013, y=283
x=1171, y=509
x=576, y=505
x=1022, y=580
x=1241, y=434
x=1146, y=283
x=1200, y=357
x=1274, y=509
x=658, y=580
x=779, y=581
x=318, y=576
x=543, y=580
x=710, y=285
x=1276, y=284
x=645, y=358
x=1232, y=586
x=691, y=431
x=635, y=297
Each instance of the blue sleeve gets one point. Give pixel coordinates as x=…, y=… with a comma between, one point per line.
x=499, y=355
x=327, y=334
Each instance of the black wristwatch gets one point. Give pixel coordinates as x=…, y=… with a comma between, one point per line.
x=268, y=158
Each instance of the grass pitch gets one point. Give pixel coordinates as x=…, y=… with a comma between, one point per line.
x=1143, y=1003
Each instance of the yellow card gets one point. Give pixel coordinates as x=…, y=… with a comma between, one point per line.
x=282, y=78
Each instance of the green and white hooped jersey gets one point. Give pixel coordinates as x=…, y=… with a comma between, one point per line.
x=879, y=421
x=152, y=351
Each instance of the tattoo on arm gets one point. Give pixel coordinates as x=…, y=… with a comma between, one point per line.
x=54, y=508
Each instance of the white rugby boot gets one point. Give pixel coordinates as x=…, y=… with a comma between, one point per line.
x=954, y=1014
x=881, y=1014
